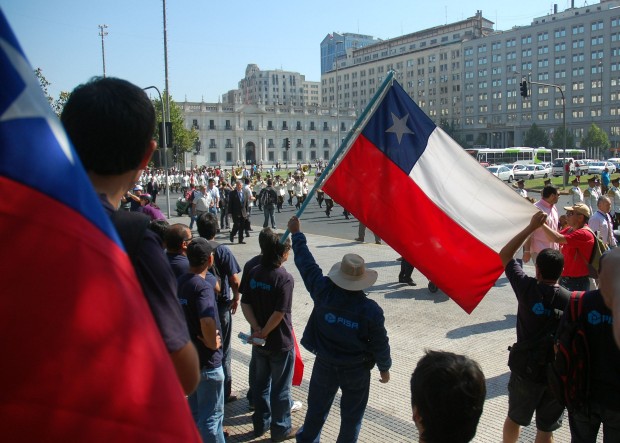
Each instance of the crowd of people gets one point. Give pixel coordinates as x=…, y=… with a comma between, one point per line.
x=194, y=285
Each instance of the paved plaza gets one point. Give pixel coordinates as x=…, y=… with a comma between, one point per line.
x=416, y=320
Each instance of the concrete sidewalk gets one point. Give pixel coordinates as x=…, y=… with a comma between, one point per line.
x=416, y=320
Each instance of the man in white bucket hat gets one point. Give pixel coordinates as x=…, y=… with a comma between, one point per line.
x=346, y=332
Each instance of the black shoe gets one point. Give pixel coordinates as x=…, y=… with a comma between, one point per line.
x=241, y=242
x=247, y=234
x=232, y=239
x=361, y=240
x=406, y=281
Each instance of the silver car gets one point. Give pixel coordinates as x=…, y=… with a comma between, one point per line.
x=532, y=171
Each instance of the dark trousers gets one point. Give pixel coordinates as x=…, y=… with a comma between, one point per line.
x=329, y=204
x=584, y=428
x=406, y=269
x=238, y=226
x=326, y=379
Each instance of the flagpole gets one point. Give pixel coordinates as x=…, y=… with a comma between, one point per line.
x=362, y=118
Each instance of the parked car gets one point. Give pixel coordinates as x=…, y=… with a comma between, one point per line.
x=598, y=167
x=502, y=172
x=558, y=166
x=514, y=167
x=532, y=171
x=615, y=161
x=582, y=166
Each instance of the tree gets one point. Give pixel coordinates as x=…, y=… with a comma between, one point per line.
x=58, y=104
x=536, y=137
x=558, y=139
x=596, y=138
x=184, y=140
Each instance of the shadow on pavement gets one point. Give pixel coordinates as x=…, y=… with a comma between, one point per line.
x=498, y=385
x=481, y=328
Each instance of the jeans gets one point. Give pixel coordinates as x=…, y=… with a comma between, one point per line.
x=354, y=382
x=226, y=323
x=207, y=405
x=268, y=210
x=192, y=219
x=584, y=428
x=272, y=403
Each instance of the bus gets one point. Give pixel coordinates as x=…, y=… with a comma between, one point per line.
x=516, y=155
x=576, y=154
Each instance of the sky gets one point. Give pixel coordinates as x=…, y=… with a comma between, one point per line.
x=210, y=43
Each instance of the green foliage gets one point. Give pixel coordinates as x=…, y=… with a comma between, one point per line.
x=58, y=104
x=558, y=139
x=536, y=137
x=596, y=138
x=182, y=138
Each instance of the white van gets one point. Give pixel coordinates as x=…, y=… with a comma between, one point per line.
x=558, y=166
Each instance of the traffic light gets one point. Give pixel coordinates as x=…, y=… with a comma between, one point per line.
x=524, y=88
x=287, y=143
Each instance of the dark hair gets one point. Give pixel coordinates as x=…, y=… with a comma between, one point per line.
x=160, y=227
x=269, y=182
x=246, y=181
x=264, y=237
x=548, y=191
x=207, y=225
x=448, y=391
x=273, y=253
x=111, y=123
x=550, y=263
x=175, y=237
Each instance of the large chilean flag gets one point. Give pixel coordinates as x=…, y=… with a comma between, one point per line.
x=82, y=359
x=416, y=188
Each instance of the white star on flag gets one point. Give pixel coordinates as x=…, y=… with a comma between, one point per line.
x=399, y=127
x=31, y=103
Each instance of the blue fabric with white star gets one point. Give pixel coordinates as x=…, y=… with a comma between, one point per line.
x=34, y=148
x=399, y=128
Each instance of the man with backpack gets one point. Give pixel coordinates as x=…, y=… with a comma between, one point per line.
x=539, y=301
x=576, y=243
x=595, y=400
x=268, y=199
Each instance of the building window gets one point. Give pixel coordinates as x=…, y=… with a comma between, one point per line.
x=270, y=125
x=343, y=126
x=312, y=128
x=284, y=126
x=312, y=143
x=195, y=124
x=299, y=144
x=228, y=126
x=211, y=124
x=325, y=127
x=212, y=144
x=250, y=126
x=229, y=157
x=228, y=144
x=213, y=157
x=298, y=127
x=270, y=143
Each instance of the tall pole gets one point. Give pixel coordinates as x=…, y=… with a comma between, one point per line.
x=166, y=92
x=103, y=33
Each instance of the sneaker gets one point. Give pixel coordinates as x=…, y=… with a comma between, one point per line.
x=297, y=406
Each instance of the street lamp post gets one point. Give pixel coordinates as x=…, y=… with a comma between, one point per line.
x=103, y=33
x=162, y=129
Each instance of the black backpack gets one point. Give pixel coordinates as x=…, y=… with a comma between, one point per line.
x=268, y=197
x=568, y=375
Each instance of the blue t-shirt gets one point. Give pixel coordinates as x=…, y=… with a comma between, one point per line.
x=227, y=266
x=267, y=290
x=198, y=300
x=179, y=264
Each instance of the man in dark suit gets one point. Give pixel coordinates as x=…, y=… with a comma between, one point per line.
x=238, y=205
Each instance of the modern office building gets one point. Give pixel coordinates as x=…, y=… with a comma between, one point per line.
x=231, y=133
x=274, y=87
x=335, y=46
x=468, y=74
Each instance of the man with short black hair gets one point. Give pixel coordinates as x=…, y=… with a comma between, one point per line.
x=227, y=268
x=177, y=239
x=539, y=300
x=447, y=397
x=111, y=124
x=268, y=198
x=197, y=296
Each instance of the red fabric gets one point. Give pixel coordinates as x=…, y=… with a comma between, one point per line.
x=576, y=251
x=393, y=206
x=82, y=357
x=298, y=372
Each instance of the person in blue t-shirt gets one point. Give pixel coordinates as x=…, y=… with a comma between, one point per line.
x=197, y=296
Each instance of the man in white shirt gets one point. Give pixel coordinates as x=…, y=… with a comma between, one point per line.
x=521, y=188
x=575, y=192
x=601, y=222
x=592, y=194
x=539, y=240
x=614, y=197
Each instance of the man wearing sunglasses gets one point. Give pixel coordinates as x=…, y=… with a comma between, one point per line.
x=576, y=243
